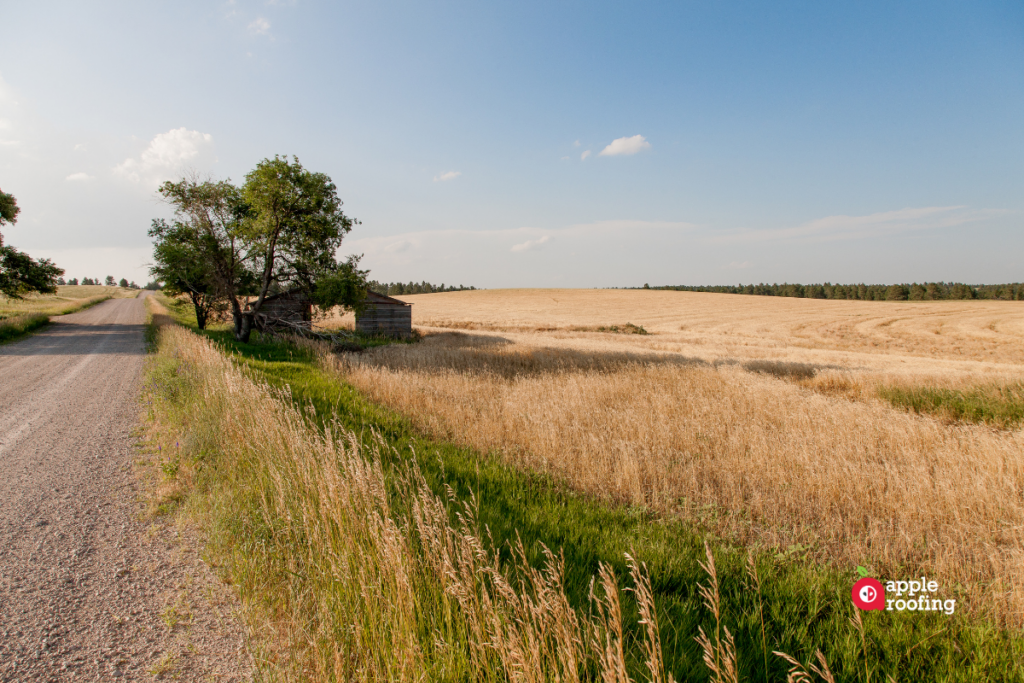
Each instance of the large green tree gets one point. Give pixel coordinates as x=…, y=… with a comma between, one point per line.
x=279, y=232
x=179, y=262
x=19, y=272
x=199, y=253
x=293, y=227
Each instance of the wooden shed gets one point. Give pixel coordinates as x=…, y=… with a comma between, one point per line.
x=385, y=316
x=288, y=309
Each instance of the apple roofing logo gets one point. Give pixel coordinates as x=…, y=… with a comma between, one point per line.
x=868, y=593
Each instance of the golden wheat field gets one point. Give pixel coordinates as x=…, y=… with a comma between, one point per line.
x=756, y=417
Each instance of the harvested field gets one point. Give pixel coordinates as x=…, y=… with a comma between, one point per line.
x=746, y=326
x=757, y=417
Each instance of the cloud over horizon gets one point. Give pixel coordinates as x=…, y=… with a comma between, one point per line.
x=450, y=175
x=493, y=257
x=531, y=244
x=840, y=227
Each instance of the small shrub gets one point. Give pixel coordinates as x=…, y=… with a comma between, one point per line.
x=628, y=328
x=170, y=468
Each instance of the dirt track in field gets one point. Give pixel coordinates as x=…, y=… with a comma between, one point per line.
x=90, y=589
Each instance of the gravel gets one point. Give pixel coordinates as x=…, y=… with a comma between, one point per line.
x=90, y=590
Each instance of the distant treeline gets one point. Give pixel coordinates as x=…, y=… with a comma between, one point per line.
x=925, y=291
x=109, y=282
x=399, y=288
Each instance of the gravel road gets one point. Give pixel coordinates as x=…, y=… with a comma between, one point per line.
x=90, y=589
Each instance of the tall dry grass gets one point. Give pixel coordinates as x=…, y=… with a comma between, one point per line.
x=757, y=458
x=359, y=568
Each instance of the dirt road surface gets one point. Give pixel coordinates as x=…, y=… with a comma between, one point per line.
x=89, y=588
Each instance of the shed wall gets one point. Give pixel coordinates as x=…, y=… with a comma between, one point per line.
x=291, y=309
x=385, y=319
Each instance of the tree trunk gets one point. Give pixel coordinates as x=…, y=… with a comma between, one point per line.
x=236, y=316
x=201, y=310
x=243, y=328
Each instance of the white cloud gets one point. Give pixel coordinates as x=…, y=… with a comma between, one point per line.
x=576, y=144
x=77, y=177
x=531, y=244
x=399, y=246
x=833, y=228
x=9, y=106
x=624, y=146
x=583, y=157
x=259, y=27
x=7, y=95
x=166, y=155
x=450, y=175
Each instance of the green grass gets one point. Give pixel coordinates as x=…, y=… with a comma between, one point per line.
x=806, y=606
x=999, y=406
x=21, y=325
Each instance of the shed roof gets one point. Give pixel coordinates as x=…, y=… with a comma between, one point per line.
x=375, y=298
x=290, y=294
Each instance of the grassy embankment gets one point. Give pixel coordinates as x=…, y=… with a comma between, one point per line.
x=275, y=526
x=19, y=317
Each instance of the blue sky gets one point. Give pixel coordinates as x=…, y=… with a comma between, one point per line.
x=728, y=142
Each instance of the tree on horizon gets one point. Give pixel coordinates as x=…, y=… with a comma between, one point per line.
x=20, y=274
